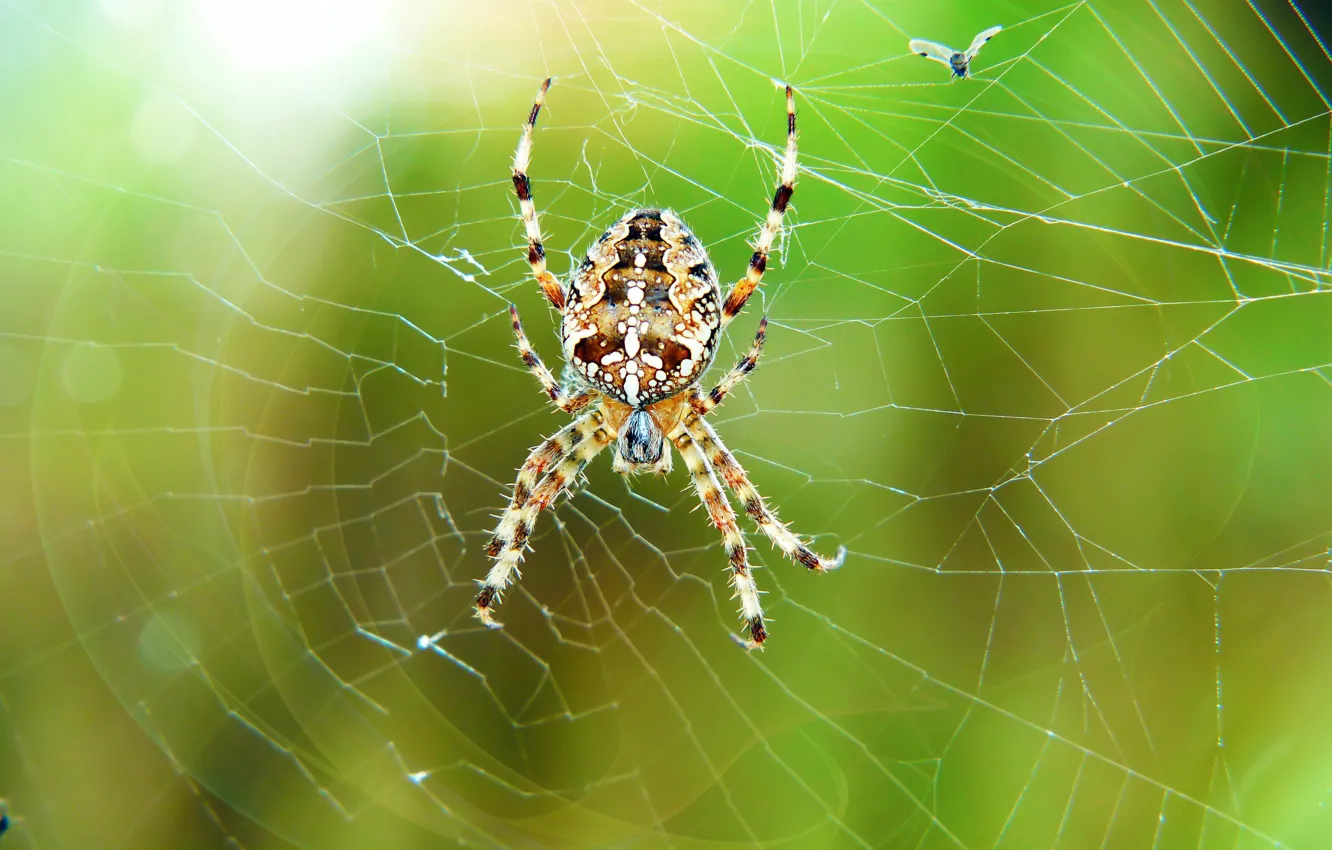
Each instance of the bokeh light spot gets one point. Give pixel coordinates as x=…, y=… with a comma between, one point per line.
x=284, y=34
x=130, y=14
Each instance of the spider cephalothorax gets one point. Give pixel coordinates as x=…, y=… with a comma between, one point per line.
x=642, y=315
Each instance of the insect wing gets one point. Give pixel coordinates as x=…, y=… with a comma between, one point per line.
x=979, y=41
x=930, y=50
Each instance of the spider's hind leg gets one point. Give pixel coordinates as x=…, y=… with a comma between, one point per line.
x=704, y=404
x=567, y=397
x=522, y=186
x=772, y=225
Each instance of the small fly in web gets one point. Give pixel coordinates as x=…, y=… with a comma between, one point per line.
x=641, y=319
x=959, y=62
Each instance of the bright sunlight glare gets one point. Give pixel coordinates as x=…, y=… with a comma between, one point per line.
x=289, y=34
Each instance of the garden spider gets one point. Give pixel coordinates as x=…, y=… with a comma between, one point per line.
x=642, y=316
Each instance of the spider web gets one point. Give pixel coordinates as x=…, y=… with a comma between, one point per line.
x=1048, y=353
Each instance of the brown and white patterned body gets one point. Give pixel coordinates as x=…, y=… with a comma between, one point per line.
x=641, y=318
x=642, y=313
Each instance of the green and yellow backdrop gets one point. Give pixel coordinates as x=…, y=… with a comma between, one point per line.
x=1050, y=352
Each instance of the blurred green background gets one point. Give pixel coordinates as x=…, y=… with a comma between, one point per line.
x=1049, y=354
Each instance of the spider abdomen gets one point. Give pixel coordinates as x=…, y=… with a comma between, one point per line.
x=642, y=311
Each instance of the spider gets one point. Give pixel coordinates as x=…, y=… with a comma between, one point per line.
x=641, y=318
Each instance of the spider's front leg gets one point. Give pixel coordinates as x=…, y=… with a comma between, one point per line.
x=564, y=401
x=772, y=225
x=723, y=516
x=550, y=468
x=734, y=476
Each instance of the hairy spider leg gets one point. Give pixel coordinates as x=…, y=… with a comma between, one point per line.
x=564, y=401
x=704, y=404
x=723, y=517
x=734, y=475
x=772, y=225
x=553, y=450
x=536, y=252
x=588, y=435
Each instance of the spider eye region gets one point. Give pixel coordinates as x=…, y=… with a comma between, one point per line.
x=641, y=441
x=643, y=313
